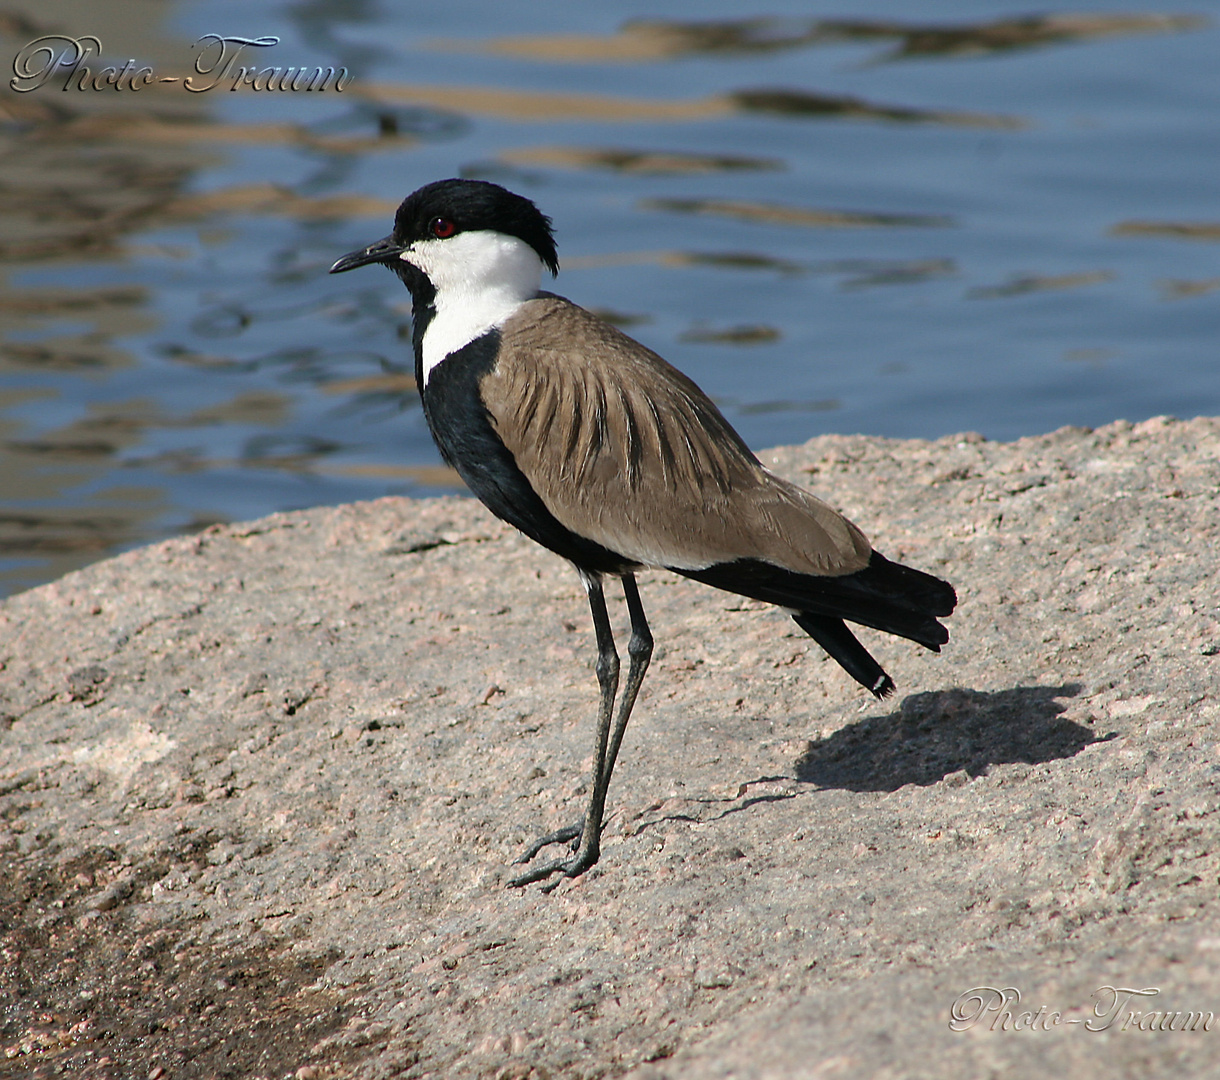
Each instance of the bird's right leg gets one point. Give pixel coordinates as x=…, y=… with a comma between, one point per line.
x=589, y=831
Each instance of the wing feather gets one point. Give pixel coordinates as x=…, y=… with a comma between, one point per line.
x=627, y=451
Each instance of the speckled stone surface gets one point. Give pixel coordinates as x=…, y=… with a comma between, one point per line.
x=260, y=789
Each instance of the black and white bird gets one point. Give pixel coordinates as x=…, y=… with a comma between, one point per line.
x=598, y=449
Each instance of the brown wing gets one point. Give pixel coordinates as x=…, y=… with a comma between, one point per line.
x=625, y=450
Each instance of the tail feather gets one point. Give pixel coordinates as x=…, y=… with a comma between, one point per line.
x=842, y=646
x=934, y=596
x=885, y=595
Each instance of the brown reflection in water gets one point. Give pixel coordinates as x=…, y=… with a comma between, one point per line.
x=302, y=464
x=866, y=273
x=752, y=334
x=180, y=354
x=536, y=106
x=71, y=301
x=1174, y=230
x=1183, y=288
x=773, y=214
x=114, y=426
x=391, y=384
x=35, y=471
x=729, y=260
x=274, y=199
x=735, y=260
x=438, y=476
x=644, y=40
x=262, y=408
x=641, y=162
x=1005, y=35
x=802, y=103
x=138, y=127
x=760, y=408
x=52, y=541
x=652, y=40
x=42, y=525
x=1094, y=358
x=65, y=533
x=622, y=319
x=109, y=429
x=28, y=345
x=80, y=354
x=1033, y=283
x=54, y=219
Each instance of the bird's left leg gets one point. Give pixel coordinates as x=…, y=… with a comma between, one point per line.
x=639, y=650
x=590, y=830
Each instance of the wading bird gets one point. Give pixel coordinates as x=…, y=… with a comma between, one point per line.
x=598, y=449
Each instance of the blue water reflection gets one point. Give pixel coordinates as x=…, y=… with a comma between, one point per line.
x=898, y=219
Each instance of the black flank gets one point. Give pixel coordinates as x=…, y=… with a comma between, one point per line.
x=464, y=434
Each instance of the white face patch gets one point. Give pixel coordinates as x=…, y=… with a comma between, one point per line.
x=481, y=278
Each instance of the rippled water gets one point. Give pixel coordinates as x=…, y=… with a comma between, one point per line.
x=894, y=218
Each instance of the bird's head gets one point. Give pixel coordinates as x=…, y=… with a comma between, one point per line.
x=463, y=236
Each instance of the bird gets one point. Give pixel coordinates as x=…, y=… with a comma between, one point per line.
x=598, y=449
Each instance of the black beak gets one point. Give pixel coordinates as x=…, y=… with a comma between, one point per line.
x=380, y=251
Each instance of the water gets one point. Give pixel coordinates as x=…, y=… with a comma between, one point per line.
x=892, y=218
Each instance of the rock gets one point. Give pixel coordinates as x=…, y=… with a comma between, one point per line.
x=257, y=810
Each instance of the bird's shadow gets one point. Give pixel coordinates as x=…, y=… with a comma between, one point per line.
x=934, y=734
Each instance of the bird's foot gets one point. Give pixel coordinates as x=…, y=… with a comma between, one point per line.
x=570, y=834
x=573, y=867
x=584, y=855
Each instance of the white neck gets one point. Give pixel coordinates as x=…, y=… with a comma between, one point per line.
x=480, y=278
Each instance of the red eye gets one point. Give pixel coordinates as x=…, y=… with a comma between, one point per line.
x=442, y=228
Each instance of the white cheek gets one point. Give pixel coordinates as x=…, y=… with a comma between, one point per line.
x=480, y=279
x=414, y=257
x=449, y=264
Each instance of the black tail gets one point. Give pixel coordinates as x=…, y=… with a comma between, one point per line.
x=842, y=645
x=885, y=595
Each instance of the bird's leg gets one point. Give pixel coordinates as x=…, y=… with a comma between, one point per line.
x=639, y=649
x=590, y=831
